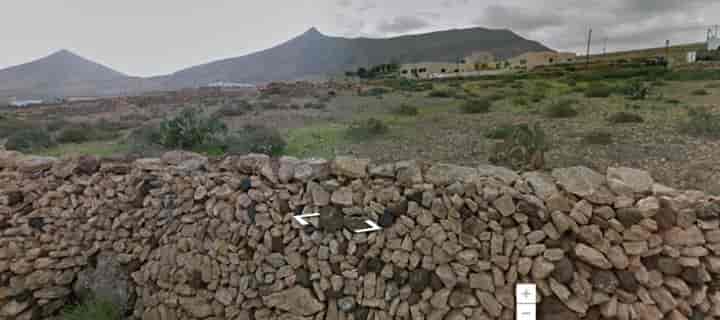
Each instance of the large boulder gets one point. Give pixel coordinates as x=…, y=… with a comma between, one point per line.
x=108, y=281
x=445, y=174
x=627, y=180
x=297, y=300
x=504, y=174
x=584, y=183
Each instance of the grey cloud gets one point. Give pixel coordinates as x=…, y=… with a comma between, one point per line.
x=345, y=3
x=402, y=24
x=520, y=19
x=454, y=3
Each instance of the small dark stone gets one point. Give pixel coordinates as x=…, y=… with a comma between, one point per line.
x=333, y=294
x=414, y=298
x=361, y=313
x=629, y=216
x=308, y=229
x=564, y=271
x=299, y=210
x=692, y=276
x=399, y=209
x=600, y=222
x=196, y=281
x=245, y=185
x=553, y=309
x=627, y=281
x=535, y=223
x=605, y=280
x=284, y=206
x=666, y=217
x=416, y=197
x=419, y=279
x=36, y=223
x=302, y=276
x=387, y=219
x=252, y=212
x=474, y=226
x=651, y=262
x=331, y=219
x=669, y=266
x=335, y=267
x=88, y=165
x=435, y=283
x=374, y=265
x=277, y=244
x=507, y=222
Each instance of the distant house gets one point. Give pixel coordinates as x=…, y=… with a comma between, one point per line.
x=225, y=84
x=477, y=61
x=713, y=43
x=532, y=60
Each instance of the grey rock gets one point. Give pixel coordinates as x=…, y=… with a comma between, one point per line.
x=109, y=281
x=627, y=180
x=297, y=300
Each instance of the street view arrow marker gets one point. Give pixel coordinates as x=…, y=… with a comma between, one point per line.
x=301, y=218
x=373, y=227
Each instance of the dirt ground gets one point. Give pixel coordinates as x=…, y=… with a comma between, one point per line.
x=441, y=132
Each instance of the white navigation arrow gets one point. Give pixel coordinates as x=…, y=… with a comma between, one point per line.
x=301, y=218
x=373, y=227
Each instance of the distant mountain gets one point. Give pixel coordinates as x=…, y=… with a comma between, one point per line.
x=311, y=54
x=64, y=73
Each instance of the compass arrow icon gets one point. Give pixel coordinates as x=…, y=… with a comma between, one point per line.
x=301, y=218
x=373, y=227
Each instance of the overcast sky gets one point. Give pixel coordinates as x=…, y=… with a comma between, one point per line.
x=153, y=37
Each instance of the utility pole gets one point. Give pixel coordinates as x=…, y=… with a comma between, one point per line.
x=667, y=54
x=587, y=56
x=605, y=46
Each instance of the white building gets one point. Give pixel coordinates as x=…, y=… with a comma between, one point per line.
x=23, y=103
x=713, y=40
x=225, y=84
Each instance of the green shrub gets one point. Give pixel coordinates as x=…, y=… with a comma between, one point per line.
x=366, y=129
x=375, y=92
x=497, y=96
x=441, y=93
x=189, y=129
x=255, y=139
x=10, y=125
x=713, y=85
x=27, y=140
x=636, y=90
x=407, y=110
x=659, y=83
x=703, y=122
x=700, y=92
x=234, y=110
x=523, y=149
x=600, y=137
x=315, y=105
x=598, y=90
x=92, y=310
x=476, y=106
x=520, y=101
x=562, y=109
x=625, y=117
x=78, y=134
x=673, y=101
x=500, y=132
x=538, y=96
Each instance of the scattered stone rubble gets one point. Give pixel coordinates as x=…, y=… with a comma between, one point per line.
x=206, y=239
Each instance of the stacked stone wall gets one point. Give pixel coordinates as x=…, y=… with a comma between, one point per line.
x=184, y=237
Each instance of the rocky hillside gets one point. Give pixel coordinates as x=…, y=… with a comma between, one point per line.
x=314, y=53
x=182, y=237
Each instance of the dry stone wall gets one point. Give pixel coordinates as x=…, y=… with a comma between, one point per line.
x=184, y=237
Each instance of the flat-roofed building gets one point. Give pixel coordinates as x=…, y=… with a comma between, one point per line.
x=532, y=60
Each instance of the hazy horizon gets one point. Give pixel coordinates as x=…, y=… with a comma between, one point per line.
x=161, y=37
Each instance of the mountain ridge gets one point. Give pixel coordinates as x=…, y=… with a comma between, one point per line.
x=310, y=54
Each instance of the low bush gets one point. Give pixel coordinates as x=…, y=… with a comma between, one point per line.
x=636, y=90
x=500, y=132
x=10, y=125
x=234, y=109
x=625, y=117
x=598, y=90
x=562, y=109
x=523, y=149
x=700, y=92
x=703, y=122
x=315, y=105
x=375, y=92
x=520, y=101
x=476, y=106
x=189, y=129
x=255, y=139
x=441, y=93
x=27, y=140
x=407, y=110
x=599, y=137
x=92, y=310
x=673, y=101
x=713, y=85
x=366, y=129
x=78, y=134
